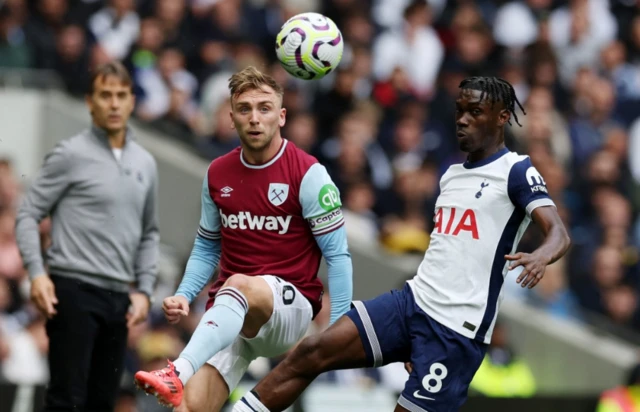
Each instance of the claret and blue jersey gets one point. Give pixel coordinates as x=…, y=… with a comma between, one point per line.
x=279, y=218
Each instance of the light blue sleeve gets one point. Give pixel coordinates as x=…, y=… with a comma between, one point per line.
x=340, y=271
x=205, y=254
x=321, y=206
x=209, y=214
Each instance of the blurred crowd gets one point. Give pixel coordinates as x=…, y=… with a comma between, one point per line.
x=382, y=123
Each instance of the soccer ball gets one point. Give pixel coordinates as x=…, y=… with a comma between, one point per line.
x=309, y=46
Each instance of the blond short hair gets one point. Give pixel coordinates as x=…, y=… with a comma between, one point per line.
x=251, y=78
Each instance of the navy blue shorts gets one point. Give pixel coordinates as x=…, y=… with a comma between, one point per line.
x=394, y=329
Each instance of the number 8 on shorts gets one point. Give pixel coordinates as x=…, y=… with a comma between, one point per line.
x=433, y=381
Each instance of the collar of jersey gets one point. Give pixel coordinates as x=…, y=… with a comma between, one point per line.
x=101, y=134
x=270, y=162
x=497, y=155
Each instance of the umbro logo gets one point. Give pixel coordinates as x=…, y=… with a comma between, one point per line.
x=226, y=191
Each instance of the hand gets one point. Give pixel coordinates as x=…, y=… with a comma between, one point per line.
x=534, y=267
x=408, y=366
x=139, y=309
x=175, y=307
x=43, y=294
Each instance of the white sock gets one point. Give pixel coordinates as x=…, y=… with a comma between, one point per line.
x=184, y=369
x=249, y=403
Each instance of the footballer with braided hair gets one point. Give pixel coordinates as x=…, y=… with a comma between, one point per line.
x=440, y=323
x=496, y=89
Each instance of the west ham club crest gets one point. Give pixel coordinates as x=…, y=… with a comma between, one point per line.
x=278, y=193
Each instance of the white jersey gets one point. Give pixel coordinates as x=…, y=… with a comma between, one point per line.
x=481, y=214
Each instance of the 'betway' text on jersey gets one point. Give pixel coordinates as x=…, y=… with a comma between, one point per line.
x=246, y=221
x=481, y=214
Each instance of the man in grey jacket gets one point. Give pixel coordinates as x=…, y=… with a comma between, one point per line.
x=99, y=188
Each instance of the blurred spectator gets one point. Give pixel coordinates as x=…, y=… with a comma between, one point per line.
x=517, y=23
x=168, y=92
x=503, y=374
x=301, y=130
x=578, y=32
x=143, y=54
x=26, y=362
x=224, y=137
x=414, y=47
x=175, y=26
x=10, y=260
x=335, y=103
x=624, y=398
x=625, y=76
x=361, y=220
x=354, y=154
x=15, y=50
x=73, y=60
x=41, y=29
x=594, y=105
x=544, y=124
x=115, y=29
x=9, y=186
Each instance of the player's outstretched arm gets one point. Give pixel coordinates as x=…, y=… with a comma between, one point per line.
x=555, y=245
x=321, y=206
x=203, y=260
x=339, y=271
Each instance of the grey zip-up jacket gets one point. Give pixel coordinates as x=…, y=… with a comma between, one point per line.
x=104, y=225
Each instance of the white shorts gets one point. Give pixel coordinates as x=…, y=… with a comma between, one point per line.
x=288, y=324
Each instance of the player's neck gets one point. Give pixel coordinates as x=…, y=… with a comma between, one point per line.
x=485, y=153
x=264, y=155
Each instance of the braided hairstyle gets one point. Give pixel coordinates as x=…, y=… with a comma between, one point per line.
x=497, y=90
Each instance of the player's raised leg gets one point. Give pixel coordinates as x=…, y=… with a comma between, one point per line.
x=339, y=347
x=373, y=333
x=243, y=304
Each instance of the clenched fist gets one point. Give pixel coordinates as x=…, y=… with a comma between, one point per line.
x=175, y=307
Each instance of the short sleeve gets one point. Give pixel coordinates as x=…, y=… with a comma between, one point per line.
x=209, y=215
x=320, y=200
x=527, y=189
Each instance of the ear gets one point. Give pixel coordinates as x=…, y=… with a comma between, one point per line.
x=233, y=124
x=283, y=117
x=503, y=117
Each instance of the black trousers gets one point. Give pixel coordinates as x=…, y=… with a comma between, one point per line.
x=87, y=344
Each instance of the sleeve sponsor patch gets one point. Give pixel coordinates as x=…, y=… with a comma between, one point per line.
x=527, y=188
x=329, y=197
